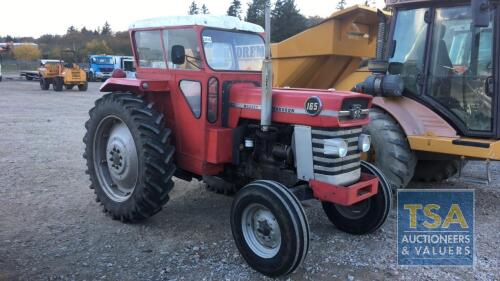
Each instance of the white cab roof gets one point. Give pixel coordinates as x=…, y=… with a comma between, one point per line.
x=224, y=22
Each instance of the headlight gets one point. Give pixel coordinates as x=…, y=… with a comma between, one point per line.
x=364, y=142
x=335, y=147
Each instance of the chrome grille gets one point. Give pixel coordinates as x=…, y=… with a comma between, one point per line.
x=327, y=166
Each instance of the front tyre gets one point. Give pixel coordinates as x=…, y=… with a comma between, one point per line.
x=366, y=216
x=270, y=228
x=44, y=84
x=129, y=156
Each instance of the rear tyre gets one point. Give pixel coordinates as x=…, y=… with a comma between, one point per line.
x=83, y=87
x=69, y=87
x=391, y=151
x=436, y=170
x=44, y=84
x=129, y=157
x=270, y=228
x=58, y=84
x=366, y=216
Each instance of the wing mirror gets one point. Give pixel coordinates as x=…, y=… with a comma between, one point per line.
x=480, y=12
x=178, y=54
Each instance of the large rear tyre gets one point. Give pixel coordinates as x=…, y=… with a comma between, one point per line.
x=44, y=84
x=366, y=216
x=436, y=170
x=270, y=228
x=391, y=151
x=58, y=84
x=129, y=156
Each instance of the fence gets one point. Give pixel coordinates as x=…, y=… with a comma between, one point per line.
x=14, y=67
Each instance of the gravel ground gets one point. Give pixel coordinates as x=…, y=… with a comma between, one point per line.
x=52, y=229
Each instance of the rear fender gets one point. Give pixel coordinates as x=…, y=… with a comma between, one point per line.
x=136, y=86
x=415, y=118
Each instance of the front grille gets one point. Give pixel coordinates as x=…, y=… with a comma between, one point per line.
x=104, y=69
x=328, y=165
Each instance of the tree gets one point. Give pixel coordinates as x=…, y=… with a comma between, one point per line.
x=26, y=53
x=204, y=10
x=193, y=9
x=97, y=47
x=287, y=20
x=313, y=20
x=106, y=29
x=256, y=11
x=235, y=9
x=71, y=29
x=341, y=4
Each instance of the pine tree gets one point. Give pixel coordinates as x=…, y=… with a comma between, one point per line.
x=256, y=11
x=71, y=29
x=235, y=9
x=341, y=4
x=204, y=10
x=286, y=20
x=193, y=9
x=106, y=29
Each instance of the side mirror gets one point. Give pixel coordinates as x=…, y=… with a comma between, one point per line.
x=480, y=12
x=178, y=54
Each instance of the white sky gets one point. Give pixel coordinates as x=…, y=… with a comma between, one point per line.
x=35, y=17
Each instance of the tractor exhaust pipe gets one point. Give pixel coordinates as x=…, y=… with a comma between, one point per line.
x=266, y=108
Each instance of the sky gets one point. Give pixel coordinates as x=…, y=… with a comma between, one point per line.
x=35, y=18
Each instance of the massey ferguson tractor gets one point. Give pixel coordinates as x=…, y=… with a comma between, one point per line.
x=202, y=106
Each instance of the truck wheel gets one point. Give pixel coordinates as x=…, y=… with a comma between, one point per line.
x=44, y=84
x=83, y=87
x=391, y=151
x=129, y=157
x=270, y=228
x=58, y=84
x=436, y=170
x=366, y=216
x=69, y=86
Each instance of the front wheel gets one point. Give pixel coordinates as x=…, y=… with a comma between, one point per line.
x=58, y=84
x=44, y=84
x=366, y=216
x=270, y=228
x=129, y=156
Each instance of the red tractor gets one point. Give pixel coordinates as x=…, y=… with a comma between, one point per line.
x=202, y=107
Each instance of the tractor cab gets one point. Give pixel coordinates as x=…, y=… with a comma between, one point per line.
x=447, y=56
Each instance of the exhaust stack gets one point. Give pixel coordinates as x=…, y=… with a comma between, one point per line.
x=267, y=77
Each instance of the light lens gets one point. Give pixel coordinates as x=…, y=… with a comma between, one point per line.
x=364, y=142
x=335, y=147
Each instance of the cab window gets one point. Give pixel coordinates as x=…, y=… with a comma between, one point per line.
x=149, y=49
x=188, y=39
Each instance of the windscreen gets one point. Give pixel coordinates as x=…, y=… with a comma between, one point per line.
x=233, y=51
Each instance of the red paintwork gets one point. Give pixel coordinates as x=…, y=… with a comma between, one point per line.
x=204, y=148
x=346, y=196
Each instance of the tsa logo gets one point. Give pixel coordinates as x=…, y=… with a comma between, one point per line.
x=436, y=227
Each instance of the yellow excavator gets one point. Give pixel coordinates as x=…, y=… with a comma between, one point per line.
x=432, y=67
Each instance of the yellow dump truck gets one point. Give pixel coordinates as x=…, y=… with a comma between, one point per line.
x=62, y=74
x=435, y=81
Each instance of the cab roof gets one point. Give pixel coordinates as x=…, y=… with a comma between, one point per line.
x=224, y=22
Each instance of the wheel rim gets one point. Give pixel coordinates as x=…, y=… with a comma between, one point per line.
x=261, y=231
x=355, y=211
x=115, y=158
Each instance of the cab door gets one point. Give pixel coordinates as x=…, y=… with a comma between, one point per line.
x=461, y=70
x=188, y=98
